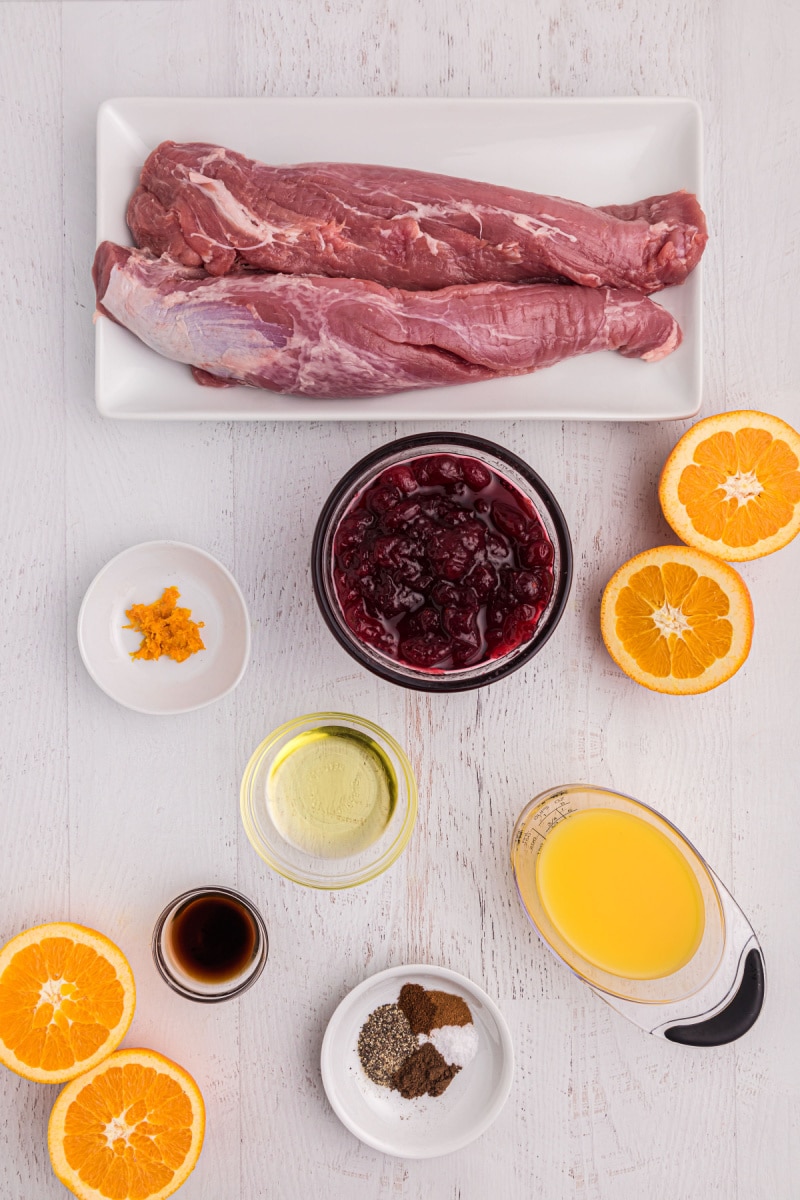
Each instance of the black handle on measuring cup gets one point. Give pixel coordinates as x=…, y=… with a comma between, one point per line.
x=735, y=1019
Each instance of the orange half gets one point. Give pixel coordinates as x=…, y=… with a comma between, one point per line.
x=66, y=1001
x=130, y=1129
x=731, y=486
x=677, y=620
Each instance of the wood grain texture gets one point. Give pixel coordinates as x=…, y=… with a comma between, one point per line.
x=34, y=766
x=108, y=814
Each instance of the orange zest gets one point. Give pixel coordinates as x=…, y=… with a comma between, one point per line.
x=731, y=486
x=130, y=1129
x=677, y=620
x=66, y=1001
x=165, y=628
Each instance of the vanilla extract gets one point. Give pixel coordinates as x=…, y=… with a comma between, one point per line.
x=213, y=938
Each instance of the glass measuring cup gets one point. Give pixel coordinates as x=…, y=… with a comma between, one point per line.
x=715, y=996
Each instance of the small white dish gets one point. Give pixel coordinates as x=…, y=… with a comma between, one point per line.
x=429, y=1126
x=138, y=576
x=599, y=151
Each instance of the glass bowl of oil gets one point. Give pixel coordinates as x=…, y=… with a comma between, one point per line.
x=329, y=800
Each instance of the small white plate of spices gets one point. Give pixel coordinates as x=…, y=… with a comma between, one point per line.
x=190, y=634
x=417, y=1061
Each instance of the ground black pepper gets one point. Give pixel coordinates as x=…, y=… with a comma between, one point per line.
x=385, y=1043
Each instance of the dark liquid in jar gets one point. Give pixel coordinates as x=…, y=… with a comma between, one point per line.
x=213, y=938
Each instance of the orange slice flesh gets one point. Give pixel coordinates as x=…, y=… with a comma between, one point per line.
x=66, y=1001
x=130, y=1129
x=731, y=486
x=677, y=620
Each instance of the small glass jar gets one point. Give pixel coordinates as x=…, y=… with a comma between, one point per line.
x=210, y=944
x=512, y=470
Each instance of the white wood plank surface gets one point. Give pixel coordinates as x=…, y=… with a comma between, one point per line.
x=107, y=814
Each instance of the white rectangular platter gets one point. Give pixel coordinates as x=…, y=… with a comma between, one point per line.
x=610, y=151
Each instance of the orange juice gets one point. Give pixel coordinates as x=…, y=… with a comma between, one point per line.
x=620, y=893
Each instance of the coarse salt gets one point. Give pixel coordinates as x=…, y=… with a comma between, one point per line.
x=457, y=1044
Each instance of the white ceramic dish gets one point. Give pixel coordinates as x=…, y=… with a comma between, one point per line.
x=139, y=575
x=429, y=1126
x=598, y=151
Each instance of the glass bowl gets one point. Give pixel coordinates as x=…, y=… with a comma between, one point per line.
x=168, y=959
x=511, y=469
x=336, y=869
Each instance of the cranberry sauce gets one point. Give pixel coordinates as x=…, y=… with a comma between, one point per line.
x=442, y=564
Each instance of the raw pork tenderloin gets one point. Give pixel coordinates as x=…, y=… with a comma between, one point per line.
x=316, y=336
x=204, y=205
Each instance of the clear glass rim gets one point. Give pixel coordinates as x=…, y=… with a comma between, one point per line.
x=236, y=986
x=311, y=879
x=466, y=678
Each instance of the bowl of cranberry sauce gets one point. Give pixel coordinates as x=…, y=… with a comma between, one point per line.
x=442, y=562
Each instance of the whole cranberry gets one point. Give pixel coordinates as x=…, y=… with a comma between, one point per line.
x=426, y=620
x=462, y=626
x=402, y=477
x=370, y=630
x=351, y=530
x=476, y=474
x=425, y=471
x=383, y=497
x=447, y=469
x=484, y=579
x=452, y=552
x=451, y=595
x=391, y=551
x=536, y=554
x=390, y=599
x=525, y=586
x=438, y=507
x=510, y=520
x=398, y=518
x=546, y=582
x=516, y=625
x=425, y=649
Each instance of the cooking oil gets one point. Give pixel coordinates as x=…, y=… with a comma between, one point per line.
x=331, y=791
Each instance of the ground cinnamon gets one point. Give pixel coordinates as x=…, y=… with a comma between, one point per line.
x=450, y=1009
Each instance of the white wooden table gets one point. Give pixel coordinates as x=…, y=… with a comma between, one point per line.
x=107, y=814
